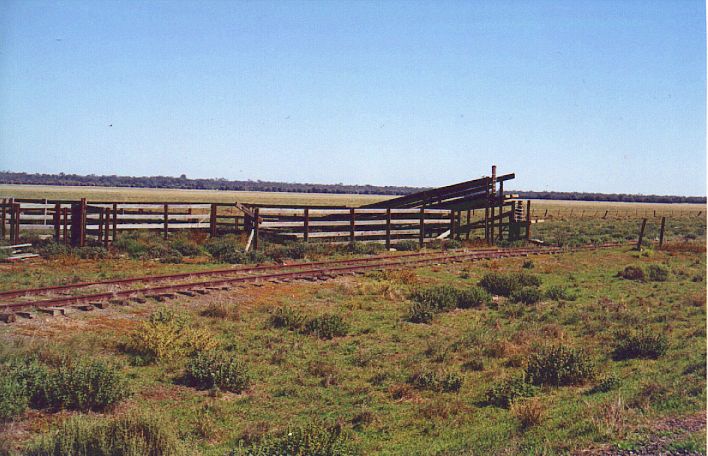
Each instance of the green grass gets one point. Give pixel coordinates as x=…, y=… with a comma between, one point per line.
x=361, y=382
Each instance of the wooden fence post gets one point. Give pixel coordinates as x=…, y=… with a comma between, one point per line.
x=2, y=219
x=501, y=210
x=528, y=220
x=115, y=222
x=388, y=228
x=469, y=222
x=256, y=222
x=236, y=218
x=83, y=221
x=18, y=214
x=57, y=221
x=486, y=214
x=65, y=212
x=11, y=216
x=166, y=218
x=641, y=234
x=421, y=235
x=452, y=224
x=352, y=222
x=661, y=232
x=107, y=227
x=212, y=221
x=100, y=224
x=306, y=225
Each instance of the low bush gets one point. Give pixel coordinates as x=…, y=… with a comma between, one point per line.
x=560, y=293
x=218, y=369
x=83, y=385
x=408, y=246
x=506, y=391
x=528, y=264
x=185, y=247
x=316, y=439
x=52, y=249
x=643, y=344
x=559, y=365
x=632, y=273
x=291, y=250
x=91, y=252
x=436, y=380
x=439, y=298
x=326, y=326
x=658, y=273
x=14, y=397
x=526, y=295
x=122, y=436
x=286, y=317
x=365, y=248
x=166, y=336
x=607, y=383
x=505, y=284
x=473, y=297
x=420, y=313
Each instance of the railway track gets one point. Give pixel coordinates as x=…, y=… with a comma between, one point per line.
x=225, y=278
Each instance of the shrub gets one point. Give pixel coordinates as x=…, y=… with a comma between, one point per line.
x=632, y=273
x=505, y=284
x=14, y=397
x=326, y=326
x=52, y=250
x=607, y=383
x=658, y=273
x=506, y=391
x=125, y=435
x=436, y=380
x=420, y=313
x=365, y=248
x=473, y=297
x=641, y=344
x=293, y=250
x=314, y=439
x=528, y=264
x=530, y=412
x=526, y=295
x=560, y=293
x=207, y=370
x=285, y=317
x=439, y=298
x=84, y=385
x=167, y=336
x=559, y=366
x=408, y=246
x=185, y=247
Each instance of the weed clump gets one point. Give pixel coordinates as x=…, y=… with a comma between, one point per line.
x=632, y=273
x=658, y=273
x=607, y=383
x=314, y=439
x=559, y=365
x=216, y=369
x=436, y=380
x=473, y=297
x=420, y=313
x=505, y=284
x=326, y=326
x=365, y=248
x=167, y=336
x=125, y=435
x=84, y=385
x=439, y=298
x=526, y=295
x=528, y=411
x=560, y=293
x=221, y=310
x=505, y=392
x=288, y=318
x=408, y=246
x=643, y=344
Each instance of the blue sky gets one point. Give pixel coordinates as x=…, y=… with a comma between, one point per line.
x=605, y=96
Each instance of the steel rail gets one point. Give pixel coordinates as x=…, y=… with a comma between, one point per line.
x=227, y=271
x=289, y=274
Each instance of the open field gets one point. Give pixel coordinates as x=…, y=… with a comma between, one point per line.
x=363, y=382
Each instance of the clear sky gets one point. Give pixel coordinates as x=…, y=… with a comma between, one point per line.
x=605, y=96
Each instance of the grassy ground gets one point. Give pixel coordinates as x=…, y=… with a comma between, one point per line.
x=360, y=381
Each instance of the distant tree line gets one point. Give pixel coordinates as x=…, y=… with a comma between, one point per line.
x=182, y=182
